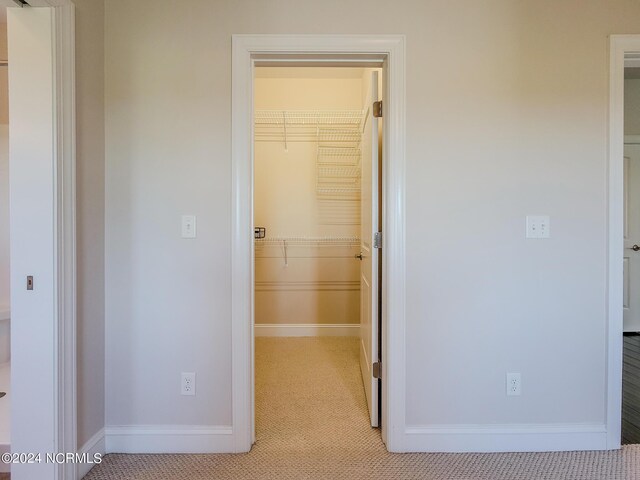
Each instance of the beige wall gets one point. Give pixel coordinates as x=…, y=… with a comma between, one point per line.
x=506, y=116
x=90, y=215
x=318, y=285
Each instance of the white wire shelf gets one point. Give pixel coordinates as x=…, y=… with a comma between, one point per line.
x=339, y=157
x=338, y=172
x=313, y=241
x=327, y=151
x=331, y=173
x=338, y=135
x=308, y=134
x=335, y=126
x=309, y=117
x=286, y=242
x=339, y=192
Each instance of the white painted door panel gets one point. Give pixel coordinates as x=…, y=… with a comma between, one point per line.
x=369, y=261
x=631, y=297
x=32, y=221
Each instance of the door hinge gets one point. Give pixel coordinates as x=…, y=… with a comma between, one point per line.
x=377, y=370
x=377, y=240
x=377, y=109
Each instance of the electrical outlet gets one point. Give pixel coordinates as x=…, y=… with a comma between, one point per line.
x=538, y=226
x=514, y=384
x=188, y=385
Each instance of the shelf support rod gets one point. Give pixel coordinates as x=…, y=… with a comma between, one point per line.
x=284, y=123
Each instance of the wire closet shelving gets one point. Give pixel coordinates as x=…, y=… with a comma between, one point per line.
x=307, y=125
x=285, y=242
x=333, y=241
x=337, y=133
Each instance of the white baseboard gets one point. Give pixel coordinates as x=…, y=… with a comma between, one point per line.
x=169, y=439
x=96, y=445
x=505, y=438
x=5, y=467
x=306, y=330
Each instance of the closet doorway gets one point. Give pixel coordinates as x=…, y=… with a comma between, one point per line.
x=386, y=52
x=631, y=259
x=317, y=225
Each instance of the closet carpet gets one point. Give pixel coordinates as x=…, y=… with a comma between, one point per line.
x=312, y=423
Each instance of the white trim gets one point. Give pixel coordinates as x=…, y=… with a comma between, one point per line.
x=242, y=252
x=65, y=190
x=619, y=45
x=506, y=438
x=96, y=445
x=389, y=49
x=306, y=330
x=169, y=439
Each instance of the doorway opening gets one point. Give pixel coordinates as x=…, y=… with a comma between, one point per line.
x=631, y=258
x=622, y=250
x=362, y=51
x=317, y=216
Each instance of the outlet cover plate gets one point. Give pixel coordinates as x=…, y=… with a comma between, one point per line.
x=188, y=383
x=538, y=226
x=514, y=384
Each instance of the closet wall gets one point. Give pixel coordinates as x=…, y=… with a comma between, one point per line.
x=306, y=273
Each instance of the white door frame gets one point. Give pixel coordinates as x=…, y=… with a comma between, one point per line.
x=619, y=46
x=323, y=49
x=61, y=401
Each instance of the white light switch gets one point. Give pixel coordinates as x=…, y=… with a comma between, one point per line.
x=188, y=226
x=538, y=226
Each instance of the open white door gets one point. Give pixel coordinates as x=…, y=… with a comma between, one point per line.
x=368, y=254
x=631, y=293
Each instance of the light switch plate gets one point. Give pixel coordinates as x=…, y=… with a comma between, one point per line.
x=538, y=226
x=188, y=226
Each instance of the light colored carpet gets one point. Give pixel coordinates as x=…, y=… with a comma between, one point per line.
x=312, y=423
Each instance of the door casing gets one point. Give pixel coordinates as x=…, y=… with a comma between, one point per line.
x=322, y=50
